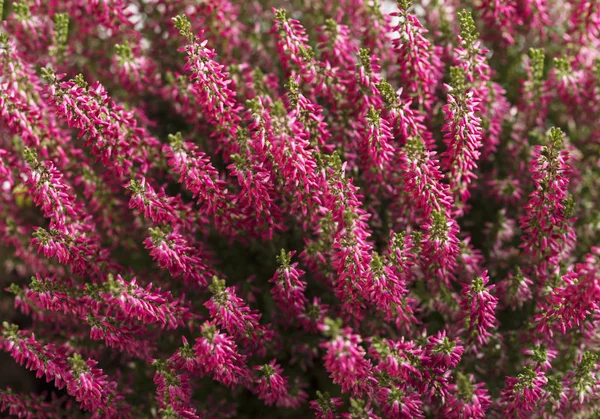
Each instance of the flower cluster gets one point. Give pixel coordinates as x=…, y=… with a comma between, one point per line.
x=270, y=208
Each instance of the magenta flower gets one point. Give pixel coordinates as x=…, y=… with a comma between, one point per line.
x=462, y=138
x=467, y=399
x=479, y=308
x=397, y=404
x=234, y=315
x=288, y=289
x=548, y=207
x=443, y=352
x=325, y=406
x=82, y=381
x=271, y=385
x=217, y=354
x=346, y=360
x=521, y=394
x=420, y=67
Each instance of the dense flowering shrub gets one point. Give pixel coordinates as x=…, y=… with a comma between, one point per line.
x=276, y=208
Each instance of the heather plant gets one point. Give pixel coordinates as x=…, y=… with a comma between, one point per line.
x=290, y=209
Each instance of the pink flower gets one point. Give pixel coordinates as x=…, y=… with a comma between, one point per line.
x=548, y=207
x=346, y=360
x=398, y=404
x=85, y=383
x=515, y=290
x=271, y=385
x=232, y=313
x=217, y=354
x=292, y=46
x=462, y=138
x=325, y=406
x=467, y=399
x=23, y=405
x=173, y=391
x=569, y=304
x=479, y=307
x=420, y=67
x=288, y=289
x=443, y=352
x=500, y=19
x=521, y=394
x=541, y=356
